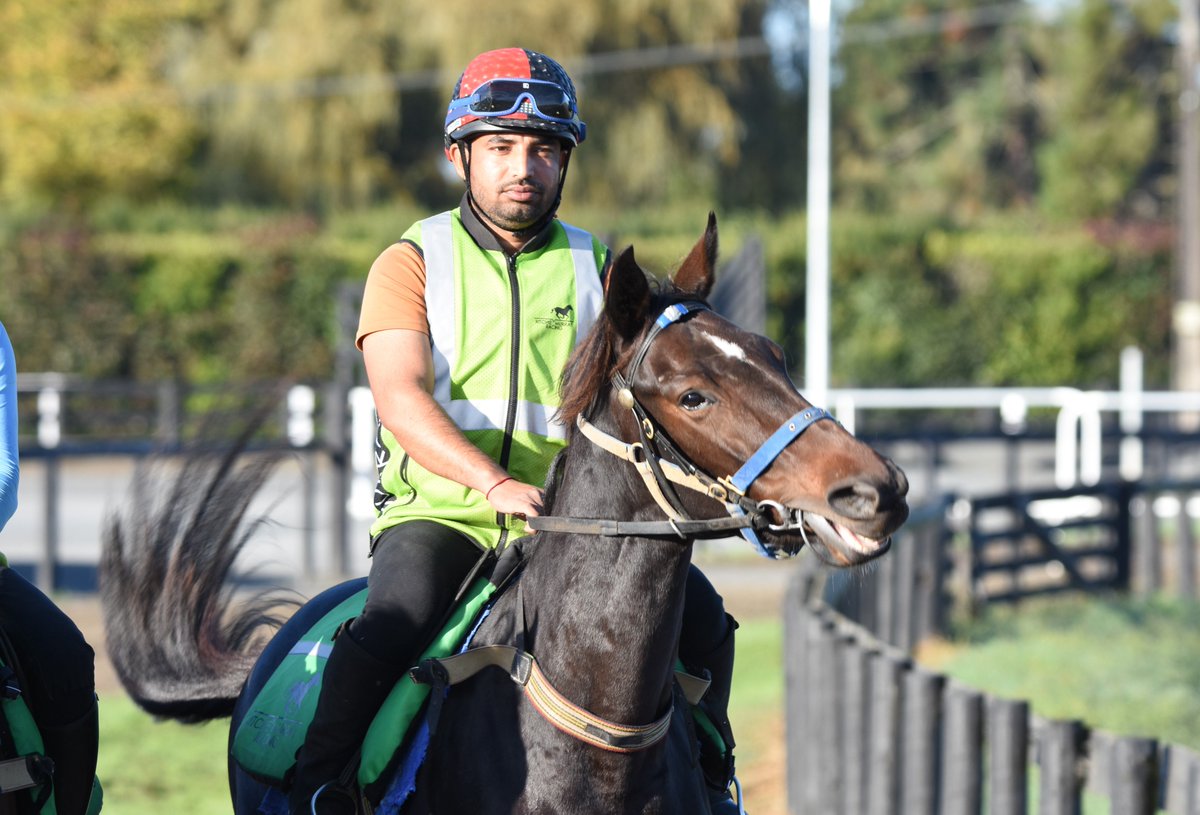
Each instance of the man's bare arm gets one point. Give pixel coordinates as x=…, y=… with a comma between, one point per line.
x=400, y=369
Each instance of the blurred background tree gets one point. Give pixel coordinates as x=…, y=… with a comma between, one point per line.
x=87, y=111
x=185, y=184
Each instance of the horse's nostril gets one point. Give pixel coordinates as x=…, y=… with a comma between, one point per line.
x=855, y=500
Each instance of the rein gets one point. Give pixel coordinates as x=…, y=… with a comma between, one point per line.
x=662, y=467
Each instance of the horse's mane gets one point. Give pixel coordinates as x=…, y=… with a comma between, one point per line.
x=588, y=373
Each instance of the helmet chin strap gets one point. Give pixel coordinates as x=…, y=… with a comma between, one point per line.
x=537, y=225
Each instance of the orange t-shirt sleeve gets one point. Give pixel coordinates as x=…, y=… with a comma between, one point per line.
x=394, y=296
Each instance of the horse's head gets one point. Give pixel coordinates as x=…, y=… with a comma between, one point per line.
x=723, y=400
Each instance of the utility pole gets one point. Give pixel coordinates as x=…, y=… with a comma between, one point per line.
x=1186, y=318
x=816, y=290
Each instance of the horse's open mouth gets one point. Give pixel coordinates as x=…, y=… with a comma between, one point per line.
x=839, y=546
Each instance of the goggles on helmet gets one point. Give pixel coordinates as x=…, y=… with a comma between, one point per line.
x=502, y=97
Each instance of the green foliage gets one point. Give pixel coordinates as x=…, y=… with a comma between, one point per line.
x=1127, y=666
x=274, y=147
x=85, y=112
x=353, y=116
x=236, y=294
x=1106, y=107
x=247, y=302
x=1052, y=305
x=1071, y=112
x=917, y=301
x=937, y=122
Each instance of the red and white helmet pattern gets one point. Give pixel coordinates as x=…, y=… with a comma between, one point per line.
x=513, y=64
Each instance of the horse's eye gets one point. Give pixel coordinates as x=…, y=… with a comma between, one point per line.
x=693, y=400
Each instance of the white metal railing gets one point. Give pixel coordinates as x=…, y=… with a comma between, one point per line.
x=1078, y=427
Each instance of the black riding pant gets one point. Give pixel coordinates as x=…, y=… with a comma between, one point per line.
x=418, y=567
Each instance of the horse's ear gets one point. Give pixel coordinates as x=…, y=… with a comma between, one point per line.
x=627, y=295
x=696, y=273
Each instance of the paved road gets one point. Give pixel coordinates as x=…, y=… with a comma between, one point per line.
x=92, y=489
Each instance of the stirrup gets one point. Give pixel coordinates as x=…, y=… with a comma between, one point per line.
x=729, y=799
x=334, y=789
x=737, y=786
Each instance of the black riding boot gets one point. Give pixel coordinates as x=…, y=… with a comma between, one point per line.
x=354, y=686
x=73, y=747
x=716, y=759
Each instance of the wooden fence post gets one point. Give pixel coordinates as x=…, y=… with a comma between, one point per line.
x=922, y=741
x=903, y=594
x=885, y=599
x=1061, y=749
x=1185, y=550
x=1181, y=771
x=1008, y=756
x=854, y=726
x=1133, y=776
x=1147, y=577
x=1123, y=527
x=883, y=785
x=824, y=781
x=962, y=753
x=795, y=645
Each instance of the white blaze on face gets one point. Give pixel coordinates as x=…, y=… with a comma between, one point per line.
x=729, y=349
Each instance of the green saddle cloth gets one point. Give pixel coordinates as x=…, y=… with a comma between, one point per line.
x=277, y=720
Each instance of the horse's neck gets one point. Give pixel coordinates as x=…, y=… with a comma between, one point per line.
x=603, y=614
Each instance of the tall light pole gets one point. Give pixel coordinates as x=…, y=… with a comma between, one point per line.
x=1186, y=319
x=816, y=292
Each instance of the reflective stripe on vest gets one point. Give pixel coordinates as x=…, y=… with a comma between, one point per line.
x=440, y=300
x=502, y=396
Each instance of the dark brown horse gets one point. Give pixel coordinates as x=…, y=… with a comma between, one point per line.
x=683, y=425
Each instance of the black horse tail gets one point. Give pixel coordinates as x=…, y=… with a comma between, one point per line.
x=180, y=648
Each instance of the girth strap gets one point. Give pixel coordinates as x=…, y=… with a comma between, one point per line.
x=555, y=708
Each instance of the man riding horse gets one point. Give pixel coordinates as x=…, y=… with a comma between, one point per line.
x=466, y=325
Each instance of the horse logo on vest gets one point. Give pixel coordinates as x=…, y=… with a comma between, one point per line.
x=563, y=317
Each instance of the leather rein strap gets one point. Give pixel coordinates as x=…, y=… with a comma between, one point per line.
x=555, y=708
x=662, y=466
x=660, y=472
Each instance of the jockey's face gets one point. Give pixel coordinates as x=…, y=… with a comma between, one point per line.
x=514, y=176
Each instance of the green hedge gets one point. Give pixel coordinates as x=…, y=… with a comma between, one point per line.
x=209, y=296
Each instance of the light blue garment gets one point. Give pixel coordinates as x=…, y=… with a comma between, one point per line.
x=9, y=469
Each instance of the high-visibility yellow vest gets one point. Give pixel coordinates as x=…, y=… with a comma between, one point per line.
x=501, y=330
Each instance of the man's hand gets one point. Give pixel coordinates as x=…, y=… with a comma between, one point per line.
x=513, y=497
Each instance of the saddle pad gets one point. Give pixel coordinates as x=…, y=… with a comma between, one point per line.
x=277, y=720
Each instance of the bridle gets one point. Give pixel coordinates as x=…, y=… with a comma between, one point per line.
x=663, y=466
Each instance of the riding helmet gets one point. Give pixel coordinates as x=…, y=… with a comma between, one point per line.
x=514, y=89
